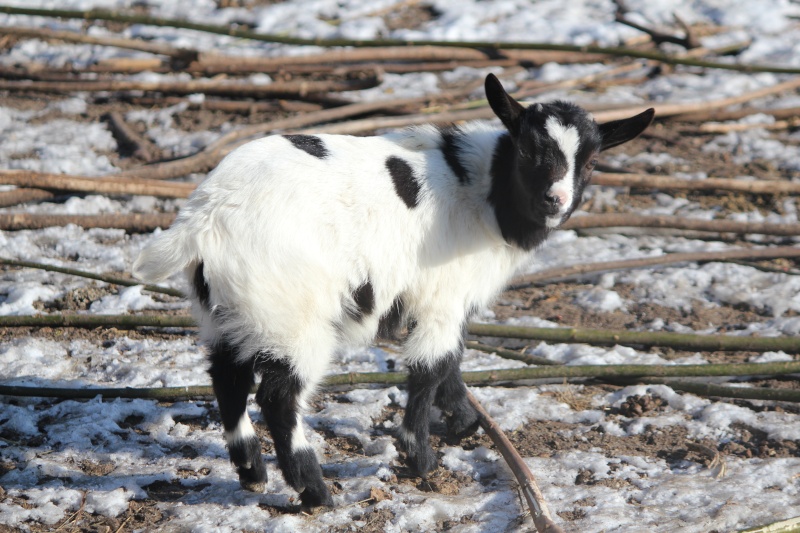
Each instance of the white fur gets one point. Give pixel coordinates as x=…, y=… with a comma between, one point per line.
x=568, y=141
x=244, y=430
x=285, y=237
x=298, y=436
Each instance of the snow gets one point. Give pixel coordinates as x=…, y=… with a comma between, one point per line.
x=145, y=441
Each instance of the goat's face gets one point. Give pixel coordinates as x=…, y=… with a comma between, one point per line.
x=556, y=147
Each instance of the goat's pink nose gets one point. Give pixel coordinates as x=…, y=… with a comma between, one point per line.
x=558, y=197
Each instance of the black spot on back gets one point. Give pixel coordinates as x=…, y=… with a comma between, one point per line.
x=364, y=297
x=201, y=288
x=450, y=151
x=310, y=144
x=405, y=183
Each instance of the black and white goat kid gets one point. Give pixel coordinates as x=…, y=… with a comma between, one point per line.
x=298, y=245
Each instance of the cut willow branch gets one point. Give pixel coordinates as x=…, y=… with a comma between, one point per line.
x=116, y=42
x=719, y=226
x=726, y=391
x=648, y=181
x=382, y=43
x=21, y=196
x=682, y=341
x=295, y=89
x=792, y=525
x=661, y=260
x=536, y=503
x=102, y=185
x=668, y=110
x=90, y=275
x=130, y=222
x=128, y=138
x=510, y=354
x=641, y=372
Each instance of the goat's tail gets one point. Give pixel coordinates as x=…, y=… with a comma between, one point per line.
x=170, y=251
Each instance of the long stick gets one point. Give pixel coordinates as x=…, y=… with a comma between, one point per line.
x=296, y=89
x=361, y=43
x=641, y=372
x=648, y=181
x=90, y=275
x=130, y=222
x=679, y=341
x=720, y=226
x=104, y=185
x=536, y=503
x=666, y=259
x=21, y=196
x=682, y=341
x=722, y=391
x=117, y=42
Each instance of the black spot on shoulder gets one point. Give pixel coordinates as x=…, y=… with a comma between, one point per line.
x=310, y=144
x=364, y=297
x=201, y=288
x=405, y=183
x=451, y=152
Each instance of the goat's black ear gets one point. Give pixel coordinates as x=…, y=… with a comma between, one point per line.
x=621, y=131
x=506, y=108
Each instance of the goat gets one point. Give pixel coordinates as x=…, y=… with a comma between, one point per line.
x=298, y=245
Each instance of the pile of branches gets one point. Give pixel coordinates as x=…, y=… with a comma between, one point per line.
x=309, y=93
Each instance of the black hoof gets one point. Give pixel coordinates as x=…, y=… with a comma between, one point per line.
x=316, y=496
x=254, y=478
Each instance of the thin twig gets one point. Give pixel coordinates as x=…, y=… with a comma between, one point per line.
x=712, y=127
x=90, y=275
x=648, y=181
x=616, y=220
x=533, y=495
x=510, y=354
x=582, y=269
x=667, y=109
x=717, y=465
x=113, y=41
x=129, y=139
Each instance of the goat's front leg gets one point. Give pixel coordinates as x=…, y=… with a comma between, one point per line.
x=423, y=382
x=451, y=397
x=281, y=396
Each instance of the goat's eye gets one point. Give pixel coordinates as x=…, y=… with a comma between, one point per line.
x=591, y=164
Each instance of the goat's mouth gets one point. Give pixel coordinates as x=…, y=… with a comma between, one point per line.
x=554, y=221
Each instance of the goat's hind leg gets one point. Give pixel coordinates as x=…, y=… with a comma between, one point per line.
x=232, y=382
x=451, y=397
x=281, y=396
